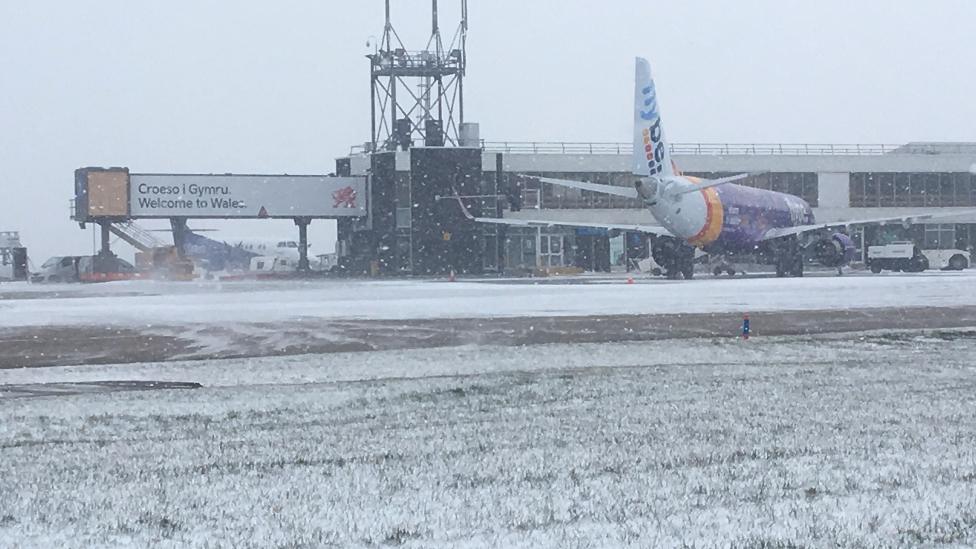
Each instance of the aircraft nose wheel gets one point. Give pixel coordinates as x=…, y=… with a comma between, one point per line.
x=677, y=259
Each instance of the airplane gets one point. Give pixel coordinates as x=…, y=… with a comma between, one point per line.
x=712, y=216
x=236, y=254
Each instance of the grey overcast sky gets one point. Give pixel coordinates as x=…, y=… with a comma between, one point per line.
x=282, y=87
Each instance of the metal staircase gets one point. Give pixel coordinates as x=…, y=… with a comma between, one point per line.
x=136, y=236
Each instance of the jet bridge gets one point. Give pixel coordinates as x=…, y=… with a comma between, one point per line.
x=112, y=197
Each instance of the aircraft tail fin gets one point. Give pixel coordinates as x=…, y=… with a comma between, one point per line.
x=652, y=155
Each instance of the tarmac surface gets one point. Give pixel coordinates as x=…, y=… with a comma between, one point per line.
x=150, y=321
x=74, y=345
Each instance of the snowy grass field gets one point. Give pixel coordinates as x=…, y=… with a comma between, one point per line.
x=854, y=440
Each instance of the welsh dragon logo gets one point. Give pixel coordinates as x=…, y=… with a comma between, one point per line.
x=344, y=198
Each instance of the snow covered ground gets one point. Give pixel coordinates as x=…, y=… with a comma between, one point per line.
x=858, y=440
x=152, y=303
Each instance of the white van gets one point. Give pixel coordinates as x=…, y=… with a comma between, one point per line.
x=273, y=264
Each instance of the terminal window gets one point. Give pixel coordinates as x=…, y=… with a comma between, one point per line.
x=940, y=236
x=876, y=189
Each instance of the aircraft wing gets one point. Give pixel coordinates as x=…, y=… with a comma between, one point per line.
x=629, y=192
x=905, y=219
x=649, y=229
x=708, y=183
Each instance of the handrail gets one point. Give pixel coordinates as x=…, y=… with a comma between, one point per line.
x=717, y=149
x=135, y=235
x=699, y=149
x=714, y=149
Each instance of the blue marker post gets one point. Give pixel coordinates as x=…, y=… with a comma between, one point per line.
x=745, y=326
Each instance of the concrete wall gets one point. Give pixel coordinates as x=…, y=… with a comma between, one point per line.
x=893, y=162
x=823, y=164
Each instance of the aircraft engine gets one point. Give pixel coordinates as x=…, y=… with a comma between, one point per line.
x=836, y=250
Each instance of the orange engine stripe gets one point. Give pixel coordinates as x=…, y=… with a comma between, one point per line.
x=714, y=218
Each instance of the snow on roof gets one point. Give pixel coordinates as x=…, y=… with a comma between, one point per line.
x=936, y=147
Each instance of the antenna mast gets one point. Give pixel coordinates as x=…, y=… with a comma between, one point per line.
x=417, y=96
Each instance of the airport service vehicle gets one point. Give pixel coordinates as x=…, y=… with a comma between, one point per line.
x=948, y=260
x=272, y=264
x=279, y=264
x=906, y=256
x=13, y=257
x=288, y=264
x=264, y=267
x=327, y=262
x=716, y=216
x=164, y=262
x=897, y=256
x=80, y=268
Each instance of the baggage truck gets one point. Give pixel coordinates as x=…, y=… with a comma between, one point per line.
x=907, y=257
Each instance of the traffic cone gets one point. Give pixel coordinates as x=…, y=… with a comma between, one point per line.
x=630, y=279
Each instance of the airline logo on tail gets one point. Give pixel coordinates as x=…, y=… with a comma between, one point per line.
x=653, y=144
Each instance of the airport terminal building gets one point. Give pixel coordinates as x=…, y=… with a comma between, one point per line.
x=841, y=182
x=422, y=151
x=394, y=198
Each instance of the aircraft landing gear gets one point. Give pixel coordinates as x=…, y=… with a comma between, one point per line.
x=789, y=265
x=686, y=263
x=680, y=267
x=721, y=265
x=677, y=259
x=789, y=260
x=717, y=271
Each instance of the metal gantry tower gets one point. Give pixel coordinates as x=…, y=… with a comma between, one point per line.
x=418, y=96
